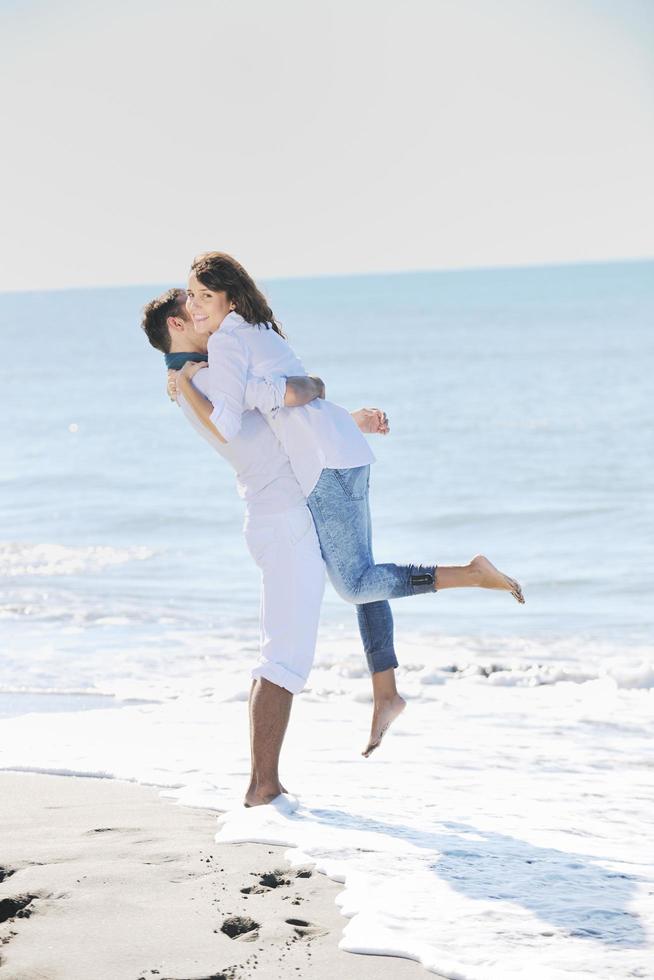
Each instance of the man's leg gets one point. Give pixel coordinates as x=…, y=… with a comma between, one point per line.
x=270, y=709
x=253, y=772
x=286, y=549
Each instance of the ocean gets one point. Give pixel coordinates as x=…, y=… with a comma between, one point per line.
x=513, y=799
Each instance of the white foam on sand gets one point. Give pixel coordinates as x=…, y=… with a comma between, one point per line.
x=499, y=831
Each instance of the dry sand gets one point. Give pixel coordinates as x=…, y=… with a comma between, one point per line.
x=104, y=880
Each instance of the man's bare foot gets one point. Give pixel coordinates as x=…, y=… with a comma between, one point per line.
x=384, y=714
x=259, y=795
x=489, y=577
x=252, y=793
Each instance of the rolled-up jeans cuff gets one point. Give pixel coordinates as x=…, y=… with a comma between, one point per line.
x=385, y=660
x=423, y=578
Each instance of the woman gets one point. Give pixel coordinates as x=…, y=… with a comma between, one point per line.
x=329, y=457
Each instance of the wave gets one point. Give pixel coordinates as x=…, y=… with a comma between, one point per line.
x=627, y=676
x=21, y=558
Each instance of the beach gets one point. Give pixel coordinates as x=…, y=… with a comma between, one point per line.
x=503, y=827
x=102, y=879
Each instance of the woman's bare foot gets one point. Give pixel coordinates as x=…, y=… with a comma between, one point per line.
x=384, y=714
x=489, y=577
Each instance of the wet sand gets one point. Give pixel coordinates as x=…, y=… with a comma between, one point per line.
x=103, y=879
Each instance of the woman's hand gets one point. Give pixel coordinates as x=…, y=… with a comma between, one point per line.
x=372, y=421
x=171, y=385
x=176, y=377
x=191, y=368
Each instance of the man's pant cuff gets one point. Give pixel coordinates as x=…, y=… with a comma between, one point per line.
x=280, y=675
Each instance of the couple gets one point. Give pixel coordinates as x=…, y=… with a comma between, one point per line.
x=303, y=468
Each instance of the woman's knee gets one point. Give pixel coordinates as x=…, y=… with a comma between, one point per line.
x=349, y=591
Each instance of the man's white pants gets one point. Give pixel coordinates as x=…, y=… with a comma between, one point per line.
x=285, y=547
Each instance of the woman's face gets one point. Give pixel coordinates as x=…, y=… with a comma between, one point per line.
x=206, y=308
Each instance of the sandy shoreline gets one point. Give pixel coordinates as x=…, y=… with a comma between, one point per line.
x=103, y=879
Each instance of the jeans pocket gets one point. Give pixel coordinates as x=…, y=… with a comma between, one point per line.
x=354, y=481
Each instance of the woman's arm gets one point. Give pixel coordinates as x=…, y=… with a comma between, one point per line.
x=229, y=362
x=200, y=405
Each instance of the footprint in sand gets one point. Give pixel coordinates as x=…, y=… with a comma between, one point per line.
x=240, y=927
x=229, y=974
x=113, y=830
x=271, y=879
x=16, y=907
x=306, y=930
x=6, y=873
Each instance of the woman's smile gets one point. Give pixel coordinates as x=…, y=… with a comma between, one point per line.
x=206, y=307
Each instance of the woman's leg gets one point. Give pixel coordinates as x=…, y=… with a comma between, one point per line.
x=341, y=512
x=339, y=504
x=340, y=508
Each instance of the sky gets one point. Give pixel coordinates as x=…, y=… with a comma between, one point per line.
x=311, y=138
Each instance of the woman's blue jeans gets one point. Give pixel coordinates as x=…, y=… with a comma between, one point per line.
x=341, y=512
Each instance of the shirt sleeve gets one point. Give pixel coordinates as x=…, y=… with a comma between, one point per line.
x=228, y=372
x=265, y=394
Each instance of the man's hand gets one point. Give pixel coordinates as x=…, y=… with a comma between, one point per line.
x=372, y=421
x=301, y=390
x=320, y=385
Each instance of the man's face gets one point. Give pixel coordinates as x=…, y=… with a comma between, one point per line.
x=183, y=334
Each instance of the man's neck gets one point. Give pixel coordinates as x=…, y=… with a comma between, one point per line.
x=176, y=358
x=182, y=345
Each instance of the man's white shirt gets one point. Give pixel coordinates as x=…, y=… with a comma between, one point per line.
x=264, y=478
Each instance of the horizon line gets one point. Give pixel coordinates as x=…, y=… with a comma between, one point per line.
x=501, y=267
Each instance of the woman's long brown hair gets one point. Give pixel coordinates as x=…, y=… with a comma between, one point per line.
x=221, y=273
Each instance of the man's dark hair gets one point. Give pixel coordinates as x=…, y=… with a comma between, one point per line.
x=155, y=316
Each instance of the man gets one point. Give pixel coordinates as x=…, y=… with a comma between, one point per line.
x=266, y=482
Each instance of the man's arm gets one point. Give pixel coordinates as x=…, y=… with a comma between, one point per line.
x=302, y=390
x=270, y=394
x=299, y=391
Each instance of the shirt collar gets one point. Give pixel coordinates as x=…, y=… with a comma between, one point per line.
x=231, y=322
